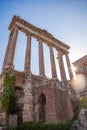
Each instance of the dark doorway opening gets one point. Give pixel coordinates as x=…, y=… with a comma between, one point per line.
x=42, y=104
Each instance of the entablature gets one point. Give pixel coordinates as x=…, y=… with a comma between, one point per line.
x=38, y=33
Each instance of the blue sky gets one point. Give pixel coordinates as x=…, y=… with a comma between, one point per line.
x=65, y=19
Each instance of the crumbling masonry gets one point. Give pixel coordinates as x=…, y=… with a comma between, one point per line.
x=41, y=99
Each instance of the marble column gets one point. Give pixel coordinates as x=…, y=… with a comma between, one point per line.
x=7, y=51
x=41, y=59
x=52, y=60
x=69, y=65
x=11, y=53
x=28, y=54
x=61, y=65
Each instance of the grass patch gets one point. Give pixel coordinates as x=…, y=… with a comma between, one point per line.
x=41, y=126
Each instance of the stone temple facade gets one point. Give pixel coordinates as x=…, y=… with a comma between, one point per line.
x=41, y=99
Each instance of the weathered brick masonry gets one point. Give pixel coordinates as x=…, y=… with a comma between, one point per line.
x=41, y=99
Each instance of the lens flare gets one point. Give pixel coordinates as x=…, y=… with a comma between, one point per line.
x=80, y=83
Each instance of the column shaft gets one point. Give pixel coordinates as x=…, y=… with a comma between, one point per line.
x=41, y=59
x=7, y=51
x=61, y=65
x=28, y=54
x=69, y=65
x=53, y=67
x=11, y=53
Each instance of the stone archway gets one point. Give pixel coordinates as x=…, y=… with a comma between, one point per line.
x=42, y=112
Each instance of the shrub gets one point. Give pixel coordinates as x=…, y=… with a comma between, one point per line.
x=41, y=126
x=8, y=101
x=83, y=102
x=77, y=104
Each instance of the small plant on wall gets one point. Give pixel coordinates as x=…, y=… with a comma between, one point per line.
x=8, y=101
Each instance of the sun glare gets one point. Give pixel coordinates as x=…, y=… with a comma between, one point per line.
x=80, y=83
x=73, y=70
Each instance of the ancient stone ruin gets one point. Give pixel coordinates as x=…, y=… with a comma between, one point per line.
x=41, y=99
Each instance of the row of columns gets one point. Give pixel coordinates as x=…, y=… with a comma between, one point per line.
x=9, y=57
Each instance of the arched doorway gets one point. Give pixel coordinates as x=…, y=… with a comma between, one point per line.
x=42, y=103
x=19, y=106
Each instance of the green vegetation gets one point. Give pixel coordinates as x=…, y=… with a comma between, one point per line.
x=83, y=102
x=41, y=126
x=76, y=104
x=8, y=101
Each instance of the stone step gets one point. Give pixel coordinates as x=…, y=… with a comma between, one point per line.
x=1, y=128
x=2, y=120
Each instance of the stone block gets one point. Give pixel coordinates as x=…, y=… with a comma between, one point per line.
x=12, y=120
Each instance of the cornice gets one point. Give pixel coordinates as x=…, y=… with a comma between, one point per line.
x=45, y=35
